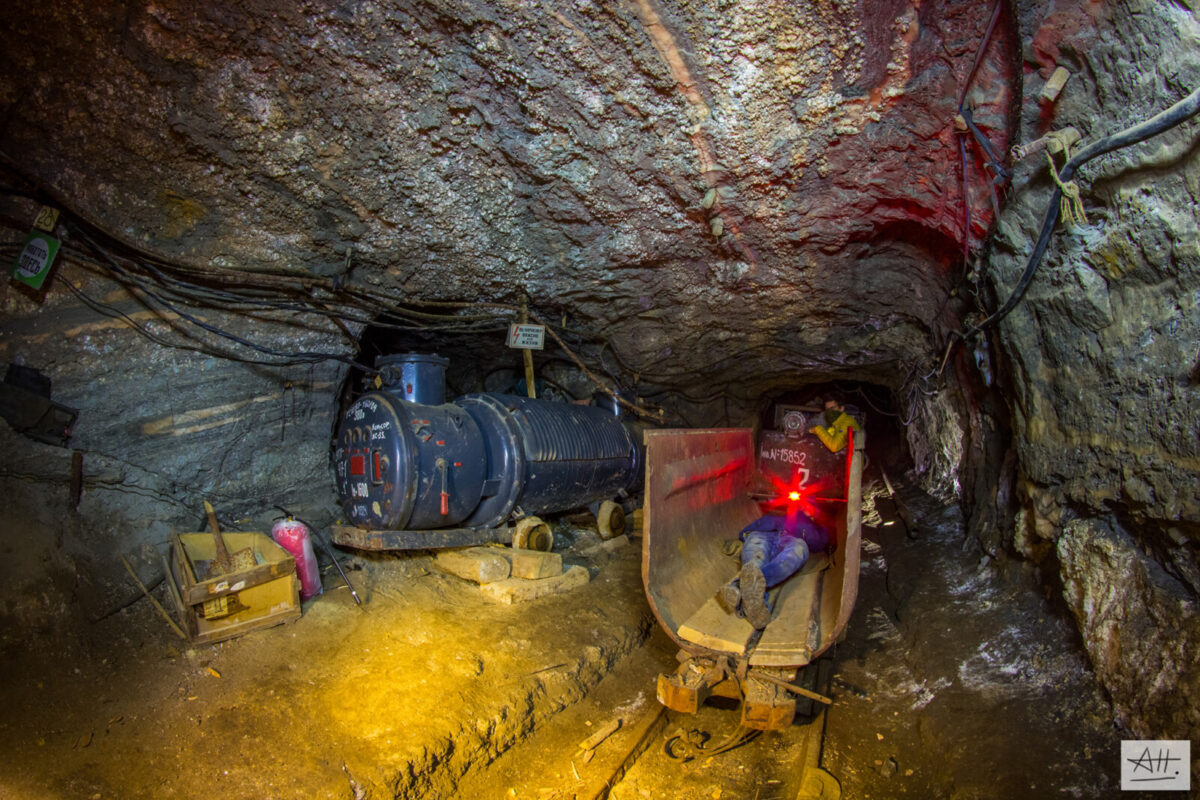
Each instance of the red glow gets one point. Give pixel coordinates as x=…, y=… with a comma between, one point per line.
x=802, y=495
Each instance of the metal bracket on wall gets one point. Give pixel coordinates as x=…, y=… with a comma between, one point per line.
x=26, y=405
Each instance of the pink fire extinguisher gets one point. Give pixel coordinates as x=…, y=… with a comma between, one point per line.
x=294, y=536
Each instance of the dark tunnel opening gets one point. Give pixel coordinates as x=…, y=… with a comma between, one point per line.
x=479, y=360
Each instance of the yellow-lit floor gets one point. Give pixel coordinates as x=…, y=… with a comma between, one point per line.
x=402, y=697
x=949, y=666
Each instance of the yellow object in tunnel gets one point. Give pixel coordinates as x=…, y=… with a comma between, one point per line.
x=835, y=434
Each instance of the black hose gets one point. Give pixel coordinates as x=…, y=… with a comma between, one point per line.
x=1184, y=110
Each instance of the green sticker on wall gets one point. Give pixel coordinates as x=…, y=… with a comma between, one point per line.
x=36, y=258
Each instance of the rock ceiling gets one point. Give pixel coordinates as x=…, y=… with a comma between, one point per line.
x=766, y=190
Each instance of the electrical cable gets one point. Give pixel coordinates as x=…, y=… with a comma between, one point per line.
x=276, y=281
x=966, y=117
x=192, y=291
x=1182, y=111
x=698, y=400
x=116, y=313
x=262, y=280
x=987, y=38
x=1185, y=109
x=301, y=357
x=59, y=200
x=866, y=399
x=615, y=395
x=559, y=387
x=966, y=186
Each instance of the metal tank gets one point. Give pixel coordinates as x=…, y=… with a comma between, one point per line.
x=435, y=474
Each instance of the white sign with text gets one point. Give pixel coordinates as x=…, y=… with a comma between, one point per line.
x=526, y=337
x=1149, y=765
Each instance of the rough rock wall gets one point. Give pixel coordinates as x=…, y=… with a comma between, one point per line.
x=1140, y=625
x=1098, y=354
x=162, y=427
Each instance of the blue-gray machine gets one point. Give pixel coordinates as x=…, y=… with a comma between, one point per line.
x=416, y=472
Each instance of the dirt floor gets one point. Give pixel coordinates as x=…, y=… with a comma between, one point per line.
x=397, y=699
x=957, y=680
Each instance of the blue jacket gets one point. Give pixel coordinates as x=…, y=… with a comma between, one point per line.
x=795, y=524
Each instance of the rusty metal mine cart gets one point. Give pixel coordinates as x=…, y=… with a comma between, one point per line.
x=700, y=492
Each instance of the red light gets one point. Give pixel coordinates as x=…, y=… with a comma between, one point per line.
x=358, y=465
x=794, y=494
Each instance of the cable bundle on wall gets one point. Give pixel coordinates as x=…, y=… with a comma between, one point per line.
x=165, y=284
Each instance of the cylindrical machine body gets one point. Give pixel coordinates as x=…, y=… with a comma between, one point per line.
x=570, y=454
x=295, y=537
x=404, y=465
x=409, y=466
x=415, y=377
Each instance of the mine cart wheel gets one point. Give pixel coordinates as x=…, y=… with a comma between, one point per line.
x=533, y=534
x=610, y=519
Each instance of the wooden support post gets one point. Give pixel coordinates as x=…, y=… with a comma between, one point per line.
x=527, y=354
x=157, y=605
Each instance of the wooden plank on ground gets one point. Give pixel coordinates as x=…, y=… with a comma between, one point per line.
x=519, y=590
x=712, y=627
x=479, y=564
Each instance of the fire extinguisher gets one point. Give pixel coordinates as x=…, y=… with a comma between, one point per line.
x=294, y=536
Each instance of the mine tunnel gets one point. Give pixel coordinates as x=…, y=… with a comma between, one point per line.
x=463, y=398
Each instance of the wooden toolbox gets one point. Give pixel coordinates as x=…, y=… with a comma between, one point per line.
x=216, y=608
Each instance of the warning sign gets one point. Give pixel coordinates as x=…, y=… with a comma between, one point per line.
x=47, y=218
x=526, y=337
x=36, y=258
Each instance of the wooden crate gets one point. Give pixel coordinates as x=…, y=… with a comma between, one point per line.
x=221, y=607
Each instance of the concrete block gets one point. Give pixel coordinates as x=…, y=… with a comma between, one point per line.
x=479, y=564
x=519, y=590
x=531, y=564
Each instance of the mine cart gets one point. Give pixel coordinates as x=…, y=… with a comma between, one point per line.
x=702, y=488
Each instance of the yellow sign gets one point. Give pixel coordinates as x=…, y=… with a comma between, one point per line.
x=47, y=218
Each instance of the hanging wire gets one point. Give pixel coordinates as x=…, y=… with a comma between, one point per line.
x=1180, y=112
x=290, y=357
x=175, y=282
